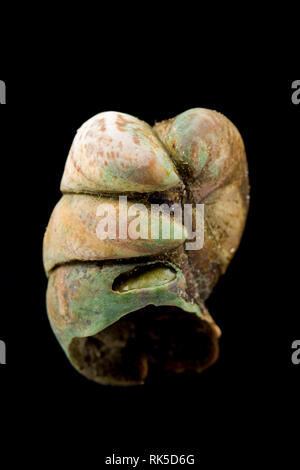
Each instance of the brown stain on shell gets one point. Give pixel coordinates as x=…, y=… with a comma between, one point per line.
x=121, y=123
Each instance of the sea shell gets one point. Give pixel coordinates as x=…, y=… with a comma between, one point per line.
x=198, y=157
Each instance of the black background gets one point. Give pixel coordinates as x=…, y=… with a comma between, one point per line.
x=249, y=400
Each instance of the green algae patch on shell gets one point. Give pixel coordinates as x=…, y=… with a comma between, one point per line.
x=81, y=300
x=116, y=152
